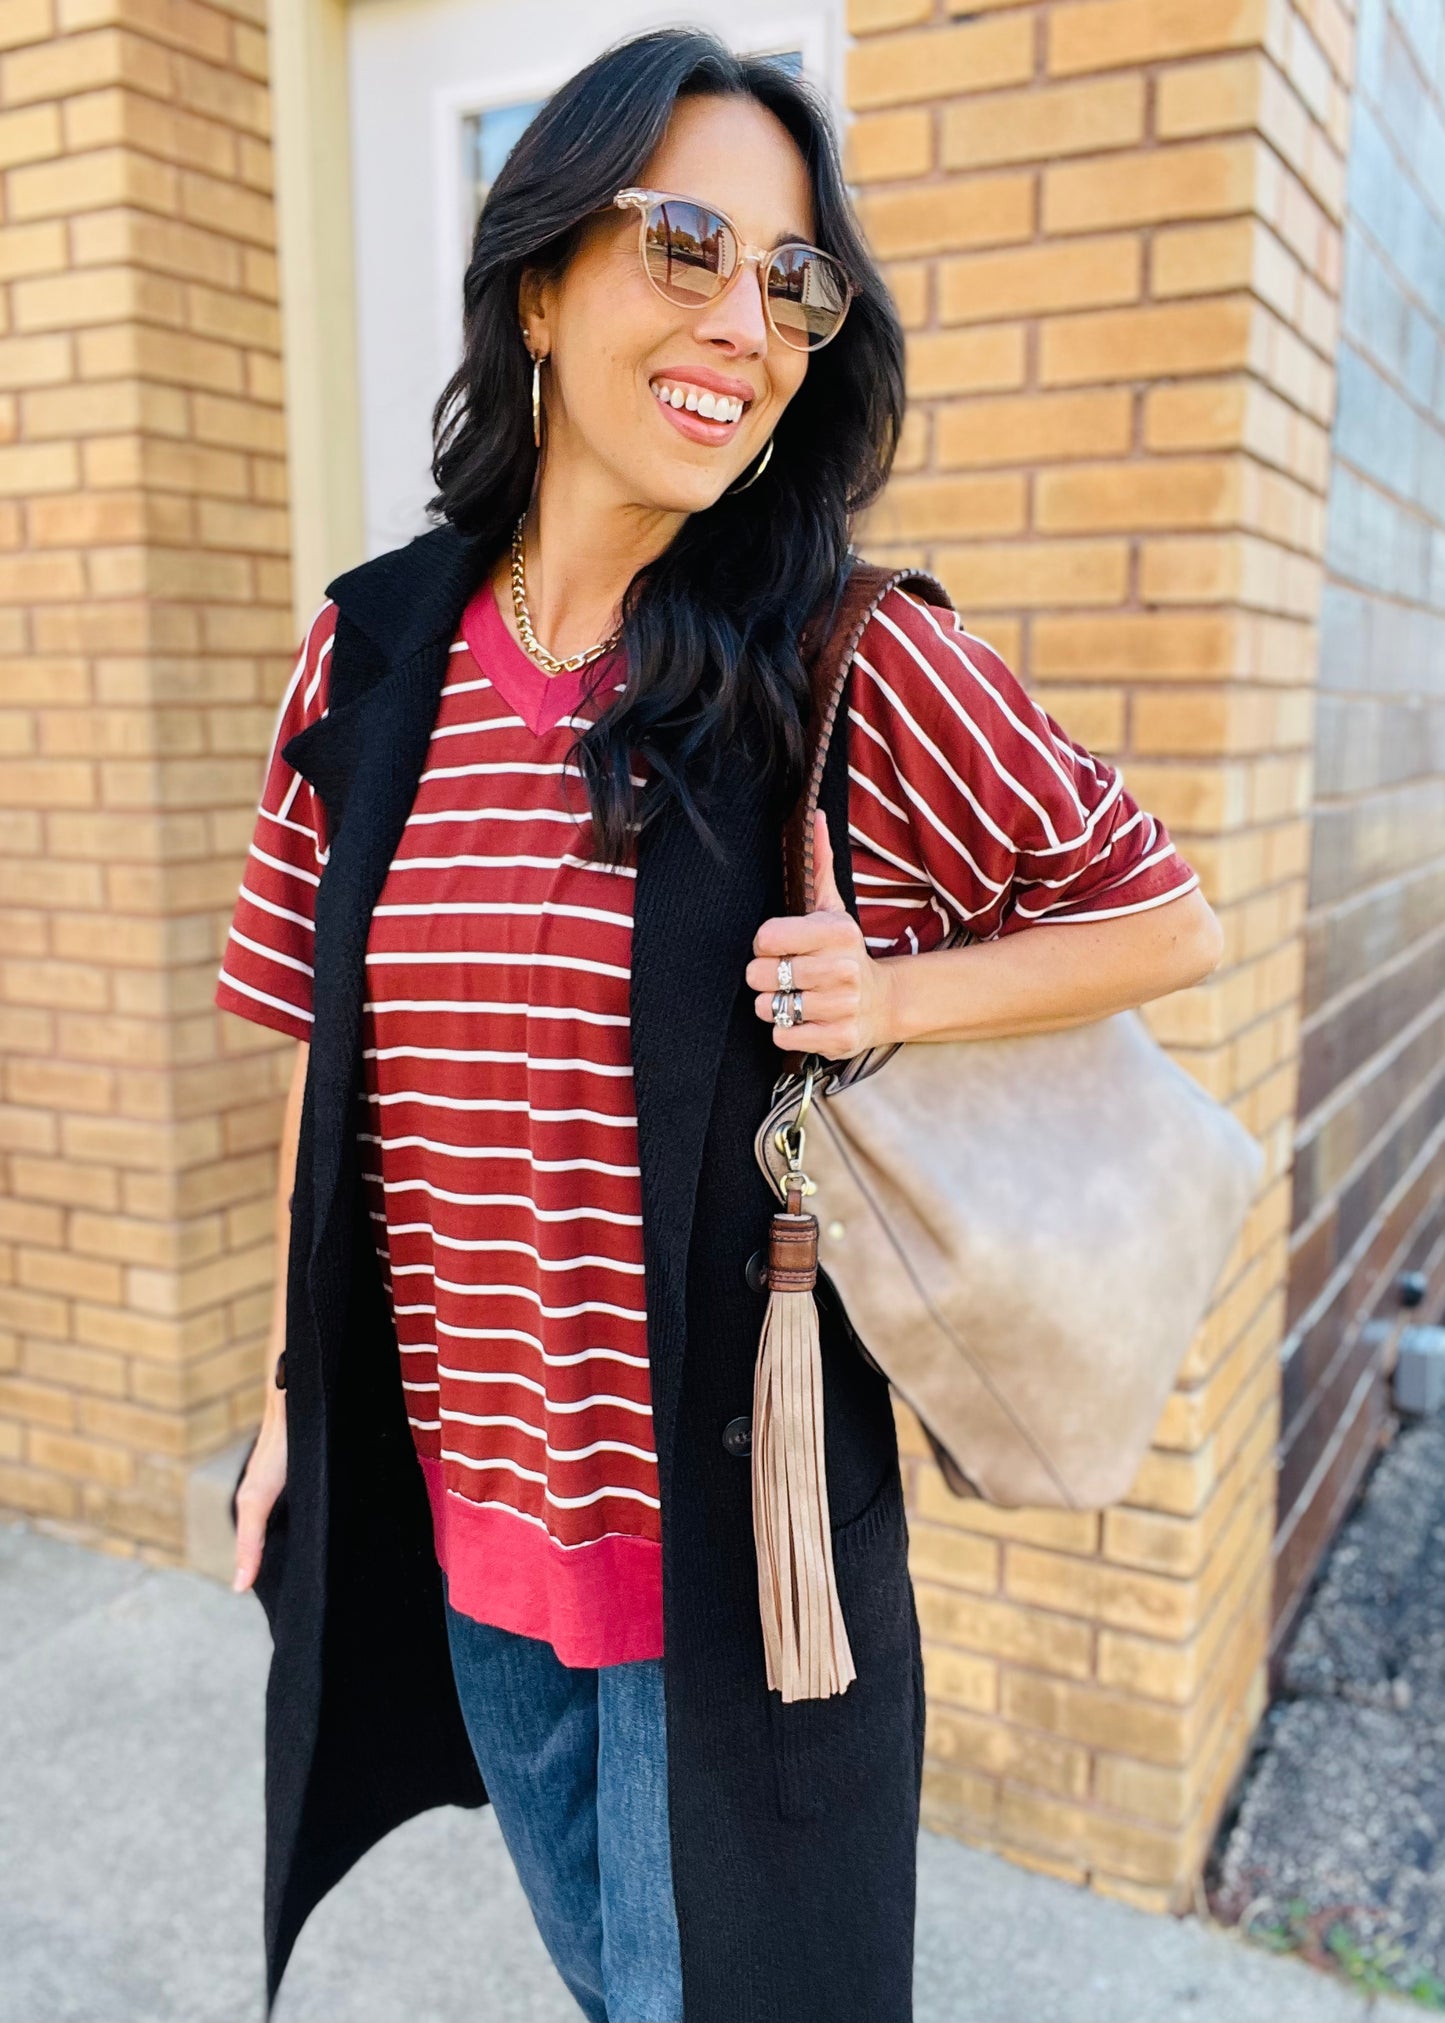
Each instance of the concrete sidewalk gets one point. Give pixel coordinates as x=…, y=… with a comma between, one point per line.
x=130, y=1860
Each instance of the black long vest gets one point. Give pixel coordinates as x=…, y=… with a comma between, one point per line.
x=793, y=1829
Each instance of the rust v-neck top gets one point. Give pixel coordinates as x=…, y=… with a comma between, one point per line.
x=498, y=1124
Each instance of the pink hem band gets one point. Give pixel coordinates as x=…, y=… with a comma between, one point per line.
x=597, y=1604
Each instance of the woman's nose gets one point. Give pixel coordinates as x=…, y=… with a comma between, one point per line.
x=737, y=317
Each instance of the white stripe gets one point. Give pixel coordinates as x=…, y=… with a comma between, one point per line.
x=508, y=768
x=315, y=681
x=526, y=1517
x=519, y=1010
x=296, y=828
x=496, y=723
x=1077, y=756
x=502, y=1152
x=464, y=1290
x=291, y=792
x=507, y=908
x=271, y=954
x=439, y=958
x=264, y=997
x=862, y=780
x=936, y=823
x=552, y=1362
x=516, y=1106
x=279, y=864
x=1111, y=912
x=279, y=912
x=1047, y=747
x=539, y=1433
x=483, y=768
x=1024, y=794
x=461, y=860
x=900, y=710
x=559, y=1502
x=297, y=671
x=491, y=1243
x=534, y=1063
x=914, y=871
x=416, y=821
x=552, y=1404
x=435, y=1193
x=1072, y=877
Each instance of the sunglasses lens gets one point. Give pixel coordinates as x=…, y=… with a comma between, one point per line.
x=808, y=296
x=689, y=252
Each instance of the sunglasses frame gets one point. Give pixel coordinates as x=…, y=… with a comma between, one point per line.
x=643, y=201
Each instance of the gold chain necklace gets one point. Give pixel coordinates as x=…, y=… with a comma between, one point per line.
x=534, y=647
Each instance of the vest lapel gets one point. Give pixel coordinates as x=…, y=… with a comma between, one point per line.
x=692, y=937
x=399, y=615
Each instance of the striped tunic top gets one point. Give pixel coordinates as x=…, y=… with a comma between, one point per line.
x=496, y=1115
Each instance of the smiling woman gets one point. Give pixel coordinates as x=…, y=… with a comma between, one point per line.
x=516, y=883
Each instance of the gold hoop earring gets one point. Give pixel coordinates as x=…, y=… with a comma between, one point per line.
x=537, y=364
x=764, y=460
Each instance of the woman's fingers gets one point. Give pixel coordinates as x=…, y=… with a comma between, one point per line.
x=796, y=934
x=250, y=1533
x=820, y=1007
x=262, y=1483
x=833, y=971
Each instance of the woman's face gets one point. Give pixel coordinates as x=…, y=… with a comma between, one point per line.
x=613, y=342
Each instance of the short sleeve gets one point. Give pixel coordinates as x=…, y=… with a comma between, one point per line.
x=969, y=804
x=267, y=970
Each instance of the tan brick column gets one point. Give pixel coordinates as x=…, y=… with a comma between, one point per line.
x=1114, y=226
x=145, y=627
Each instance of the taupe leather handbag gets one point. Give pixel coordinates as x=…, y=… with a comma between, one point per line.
x=1025, y=1234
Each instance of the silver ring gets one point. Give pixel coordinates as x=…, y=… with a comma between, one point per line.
x=782, y=1008
x=785, y=973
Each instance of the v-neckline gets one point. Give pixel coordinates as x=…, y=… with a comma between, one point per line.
x=540, y=699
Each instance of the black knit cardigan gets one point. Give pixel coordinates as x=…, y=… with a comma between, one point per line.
x=793, y=1829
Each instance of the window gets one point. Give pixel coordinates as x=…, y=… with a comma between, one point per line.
x=488, y=138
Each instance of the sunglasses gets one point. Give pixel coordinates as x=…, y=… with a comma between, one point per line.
x=691, y=253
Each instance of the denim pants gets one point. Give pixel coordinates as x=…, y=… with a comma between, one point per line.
x=575, y=1764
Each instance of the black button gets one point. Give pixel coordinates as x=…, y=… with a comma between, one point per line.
x=738, y=1437
x=756, y=1271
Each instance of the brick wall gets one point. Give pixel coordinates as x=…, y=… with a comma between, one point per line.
x=145, y=624
x=1115, y=229
x=1369, y=1196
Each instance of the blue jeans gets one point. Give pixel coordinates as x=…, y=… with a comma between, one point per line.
x=575, y=1764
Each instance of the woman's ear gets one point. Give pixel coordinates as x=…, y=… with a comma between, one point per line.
x=532, y=313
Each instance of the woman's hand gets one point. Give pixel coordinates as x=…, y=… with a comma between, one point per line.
x=262, y=1483
x=846, y=993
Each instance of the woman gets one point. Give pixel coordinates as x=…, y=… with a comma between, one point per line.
x=521, y=905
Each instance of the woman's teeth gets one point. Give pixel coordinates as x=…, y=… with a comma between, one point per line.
x=711, y=406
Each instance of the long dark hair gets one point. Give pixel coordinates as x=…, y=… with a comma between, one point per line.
x=711, y=628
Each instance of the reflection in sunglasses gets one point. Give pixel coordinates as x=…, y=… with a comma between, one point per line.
x=690, y=253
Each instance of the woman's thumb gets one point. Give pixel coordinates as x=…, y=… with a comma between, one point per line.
x=826, y=896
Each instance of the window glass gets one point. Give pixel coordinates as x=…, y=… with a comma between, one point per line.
x=488, y=138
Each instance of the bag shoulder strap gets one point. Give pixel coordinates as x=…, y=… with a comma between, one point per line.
x=828, y=650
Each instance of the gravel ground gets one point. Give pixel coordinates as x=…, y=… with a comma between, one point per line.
x=1339, y=1844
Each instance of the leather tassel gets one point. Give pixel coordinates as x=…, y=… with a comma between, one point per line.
x=805, y=1640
